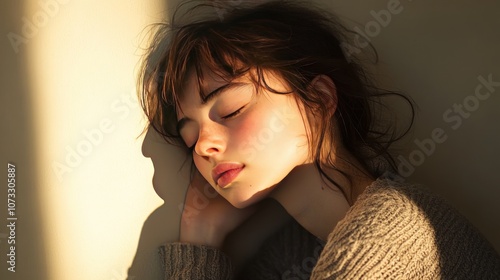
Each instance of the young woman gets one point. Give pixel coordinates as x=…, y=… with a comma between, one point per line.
x=271, y=108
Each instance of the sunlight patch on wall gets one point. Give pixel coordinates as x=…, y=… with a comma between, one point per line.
x=95, y=183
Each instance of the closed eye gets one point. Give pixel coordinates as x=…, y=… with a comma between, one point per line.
x=233, y=114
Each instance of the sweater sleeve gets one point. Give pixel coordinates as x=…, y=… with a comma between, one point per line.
x=402, y=232
x=187, y=261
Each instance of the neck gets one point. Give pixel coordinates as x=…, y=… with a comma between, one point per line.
x=317, y=205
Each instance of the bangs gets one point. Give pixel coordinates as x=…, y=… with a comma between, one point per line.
x=201, y=51
x=293, y=40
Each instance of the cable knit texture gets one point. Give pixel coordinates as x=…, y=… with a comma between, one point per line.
x=186, y=261
x=393, y=231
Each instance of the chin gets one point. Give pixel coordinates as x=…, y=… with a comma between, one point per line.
x=241, y=204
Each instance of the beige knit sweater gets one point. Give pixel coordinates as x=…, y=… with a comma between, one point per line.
x=393, y=231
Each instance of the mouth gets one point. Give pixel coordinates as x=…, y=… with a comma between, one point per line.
x=225, y=173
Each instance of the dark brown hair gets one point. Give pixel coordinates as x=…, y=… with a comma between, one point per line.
x=294, y=40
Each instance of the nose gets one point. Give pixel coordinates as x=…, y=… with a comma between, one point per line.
x=211, y=142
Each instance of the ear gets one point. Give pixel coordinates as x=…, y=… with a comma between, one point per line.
x=326, y=86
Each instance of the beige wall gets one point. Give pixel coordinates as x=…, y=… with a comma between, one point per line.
x=436, y=52
x=70, y=123
x=85, y=203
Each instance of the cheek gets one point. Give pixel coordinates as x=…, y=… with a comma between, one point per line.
x=247, y=128
x=261, y=135
x=250, y=135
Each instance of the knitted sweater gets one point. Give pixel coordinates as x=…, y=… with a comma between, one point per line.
x=393, y=231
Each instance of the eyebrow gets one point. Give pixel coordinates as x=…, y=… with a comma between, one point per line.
x=214, y=93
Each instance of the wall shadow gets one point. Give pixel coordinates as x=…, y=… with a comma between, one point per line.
x=170, y=181
x=17, y=146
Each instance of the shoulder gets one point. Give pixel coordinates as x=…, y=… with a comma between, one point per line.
x=405, y=199
x=393, y=205
x=405, y=230
x=389, y=212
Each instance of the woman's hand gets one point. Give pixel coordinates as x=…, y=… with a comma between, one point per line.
x=207, y=217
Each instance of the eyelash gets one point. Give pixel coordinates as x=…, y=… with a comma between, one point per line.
x=233, y=114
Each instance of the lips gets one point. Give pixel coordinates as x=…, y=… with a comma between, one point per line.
x=225, y=173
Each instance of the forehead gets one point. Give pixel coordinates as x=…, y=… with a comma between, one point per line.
x=198, y=85
x=196, y=88
x=214, y=75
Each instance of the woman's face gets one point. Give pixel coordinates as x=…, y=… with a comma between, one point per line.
x=244, y=142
